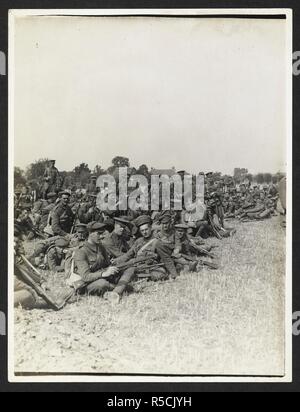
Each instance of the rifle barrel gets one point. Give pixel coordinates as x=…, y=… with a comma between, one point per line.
x=48, y=299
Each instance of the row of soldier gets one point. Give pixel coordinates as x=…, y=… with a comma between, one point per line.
x=102, y=253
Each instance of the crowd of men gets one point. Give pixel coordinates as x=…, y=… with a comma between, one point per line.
x=103, y=252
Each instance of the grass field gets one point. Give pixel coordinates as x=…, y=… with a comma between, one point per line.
x=229, y=321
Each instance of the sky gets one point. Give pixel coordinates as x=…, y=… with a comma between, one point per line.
x=197, y=94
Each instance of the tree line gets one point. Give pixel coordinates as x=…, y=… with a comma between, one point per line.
x=81, y=174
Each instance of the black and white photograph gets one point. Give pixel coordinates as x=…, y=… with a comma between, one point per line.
x=150, y=195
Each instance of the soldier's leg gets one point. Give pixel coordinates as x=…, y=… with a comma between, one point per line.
x=165, y=253
x=251, y=215
x=265, y=214
x=182, y=265
x=45, y=190
x=203, y=230
x=24, y=299
x=125, y=279
x=158, y=275
x=99, y=287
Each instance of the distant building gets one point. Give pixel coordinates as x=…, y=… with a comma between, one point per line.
x=161, y=172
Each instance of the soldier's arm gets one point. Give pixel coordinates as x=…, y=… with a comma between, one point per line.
x=57, y=230
x=83, y=267
x=52, y=263
x=131, y=254
x=37, y=208
x=46, y=210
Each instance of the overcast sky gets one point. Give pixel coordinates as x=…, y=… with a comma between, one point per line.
x=197, y=94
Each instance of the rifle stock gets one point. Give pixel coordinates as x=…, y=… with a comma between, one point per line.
x=135, y=262
x=37, y=288
x=211, y=265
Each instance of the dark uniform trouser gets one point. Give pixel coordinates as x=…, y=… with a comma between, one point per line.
x=100, y=286
x=24, y=298
x=165, y=252
x=261, y=215
x=204, y=231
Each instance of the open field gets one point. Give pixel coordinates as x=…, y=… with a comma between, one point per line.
x=228, y=321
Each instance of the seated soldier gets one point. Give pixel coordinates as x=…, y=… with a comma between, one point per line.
x=116, y=242
x=24, y=295
x=89, y=211
x=166, y=237
x=41, y=210
x=56, y=255
x=183, y=250
x=147, y=244
x=92, y=264
x=77, y=240
x=38, y=259
x=26, y=223
x=255, y=212
x=62, y=217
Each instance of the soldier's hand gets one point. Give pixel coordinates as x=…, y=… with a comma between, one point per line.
x=111, y=271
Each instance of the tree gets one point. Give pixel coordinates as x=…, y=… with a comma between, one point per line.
x=240, y=174
x=98, y=171
x=19, y=177
x=36, y=170
x=68, y=179
x=82, y=174
x=143, y=170
x=120, y=161
x=249, y=176
x=267, y=178
x=260, y=178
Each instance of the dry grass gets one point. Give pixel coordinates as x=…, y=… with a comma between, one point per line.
x=229, y=321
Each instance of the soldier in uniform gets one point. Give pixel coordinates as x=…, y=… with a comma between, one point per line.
x=25, y=221
x=116, y=242
x=62, y=216
x=89, y=211
x=24, y=295
x=77, y=239
x=92, y=264
x=92, y=186
x=258, y=208
x=25, y=198
x=42, y=208
x=146, y=245
x=51, y=179
x=56, y=255
x=183, y=249
x=166, y=237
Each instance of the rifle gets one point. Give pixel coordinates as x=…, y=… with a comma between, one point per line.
x=149, y=267
x=38, y=233
x=23, y=268
x=75, y=218
x=202, y=250
x=135, y=262
x=132, y=263
x=34, y=269
x=211, y=265
x=214, y=227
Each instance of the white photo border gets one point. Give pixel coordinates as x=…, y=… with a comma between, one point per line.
x=81, y=378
